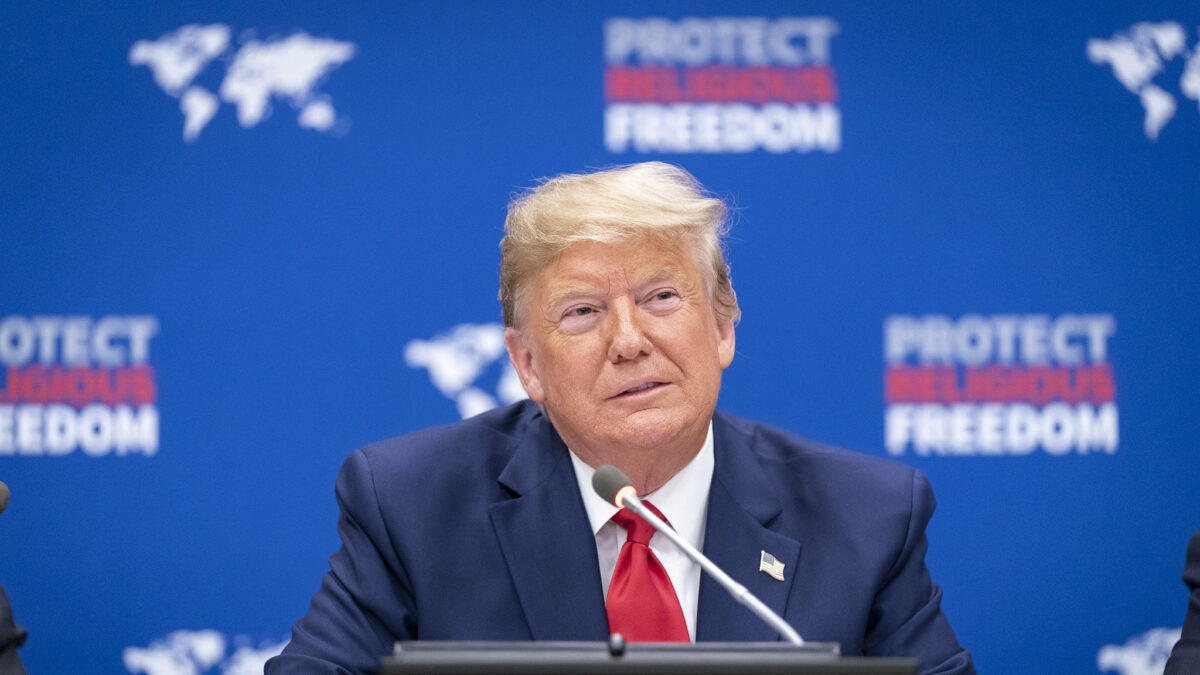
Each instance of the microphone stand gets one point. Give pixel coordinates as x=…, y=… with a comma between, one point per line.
x=630, y=500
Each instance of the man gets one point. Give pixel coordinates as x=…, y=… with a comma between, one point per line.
x=620, y=320
x=1185, y=657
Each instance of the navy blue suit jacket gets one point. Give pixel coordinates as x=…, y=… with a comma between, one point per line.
x=477, y=531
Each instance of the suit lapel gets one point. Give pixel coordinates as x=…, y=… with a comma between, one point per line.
x=547, y=542
x=743, y=517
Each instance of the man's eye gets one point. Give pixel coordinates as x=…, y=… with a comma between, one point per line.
x=580, y=311
x=664, y=295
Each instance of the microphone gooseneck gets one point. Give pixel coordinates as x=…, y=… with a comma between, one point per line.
x=615, y=487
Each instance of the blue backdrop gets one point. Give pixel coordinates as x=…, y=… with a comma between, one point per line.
x=238, y=242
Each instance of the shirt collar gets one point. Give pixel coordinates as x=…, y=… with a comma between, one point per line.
x=683, y=499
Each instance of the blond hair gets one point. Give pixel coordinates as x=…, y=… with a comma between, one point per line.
x=625, y=203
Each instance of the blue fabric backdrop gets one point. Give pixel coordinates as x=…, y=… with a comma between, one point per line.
x=290, y=271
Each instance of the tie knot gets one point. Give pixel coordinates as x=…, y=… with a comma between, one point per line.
x=636, y=528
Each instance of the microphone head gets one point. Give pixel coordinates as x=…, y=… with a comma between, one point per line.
x=3, y=496
x=608, y=481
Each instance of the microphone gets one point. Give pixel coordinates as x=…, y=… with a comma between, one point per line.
x=615, y=487
x=3, y=496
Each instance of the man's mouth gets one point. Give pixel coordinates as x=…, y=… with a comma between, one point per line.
x=641, y=387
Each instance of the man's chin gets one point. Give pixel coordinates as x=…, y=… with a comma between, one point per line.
x=651, y=433
x=608, y=439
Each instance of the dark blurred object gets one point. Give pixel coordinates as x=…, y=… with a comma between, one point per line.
x=1185, y=658
x=11, y=637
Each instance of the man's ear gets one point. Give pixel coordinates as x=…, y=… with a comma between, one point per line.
x=725, y=343
x=522, y=359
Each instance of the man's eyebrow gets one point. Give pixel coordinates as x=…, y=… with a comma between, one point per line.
x=568, y=292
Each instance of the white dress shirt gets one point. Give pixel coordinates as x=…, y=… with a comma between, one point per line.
x=684, y=502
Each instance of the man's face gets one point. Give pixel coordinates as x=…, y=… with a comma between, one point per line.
x=620, y=344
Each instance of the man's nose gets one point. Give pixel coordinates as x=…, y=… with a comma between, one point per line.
x=627, y=338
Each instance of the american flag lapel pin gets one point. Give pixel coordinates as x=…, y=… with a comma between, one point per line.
x=767, y=563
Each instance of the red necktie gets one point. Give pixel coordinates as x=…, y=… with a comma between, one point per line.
x=642, y=605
